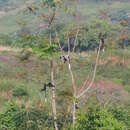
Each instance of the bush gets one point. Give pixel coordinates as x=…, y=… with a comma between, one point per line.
x=20, y=91
x=25, y=54
x=22, y=118
x=121, y=113
x=97, y=119
x=6, y=120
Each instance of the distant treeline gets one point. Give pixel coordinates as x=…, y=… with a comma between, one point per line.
x=116, y=36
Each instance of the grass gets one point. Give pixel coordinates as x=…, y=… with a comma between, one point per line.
x=89, y=11
x=34, y=72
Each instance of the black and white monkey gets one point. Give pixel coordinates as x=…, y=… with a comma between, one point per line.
x=65, y=58
x=76, y=106
x=32, y=10
x=44, y=89
x=101, y=37
x=45, y=86
x=50, y=85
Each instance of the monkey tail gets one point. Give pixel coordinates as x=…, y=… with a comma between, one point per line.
x=45, y=97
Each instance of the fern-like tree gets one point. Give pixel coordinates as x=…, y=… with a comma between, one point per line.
x=52, y=4
x=49, y=46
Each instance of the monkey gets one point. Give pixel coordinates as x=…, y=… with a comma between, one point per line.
x=76, y=106
x=32, y=10
x=44, y=87
x=101, y=38
x=65, y=58
x=50, y=85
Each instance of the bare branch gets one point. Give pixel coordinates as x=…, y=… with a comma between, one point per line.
x=76, y=36
x=73, y=82
x=86, y=82
x=68, y=40
x=57, y=37
x=94, y=73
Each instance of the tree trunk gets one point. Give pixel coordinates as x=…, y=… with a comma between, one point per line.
x=74, y=92
x=73, y=83
x=53, y=102
x=74, y=112
x=53, y=96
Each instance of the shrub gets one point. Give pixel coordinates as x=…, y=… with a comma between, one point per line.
x=6, y=120
x=22, y=118
x=25, y=54
x=97, y=119
x=121, y=113
x=20, y=91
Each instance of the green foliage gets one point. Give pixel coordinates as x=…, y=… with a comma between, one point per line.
x=52, y=3
x=32, y=119
x=18, y=41
x=6, y=120
x=25, y=41
x=118, y=15
x=97, y=119
x=25, y=54
x=20, y=91
x=5, y=40
x=44, y=49
x=121, y=113
x=22, y=118
x=88, y=34
x=49, y=3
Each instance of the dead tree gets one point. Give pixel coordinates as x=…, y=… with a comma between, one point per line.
x=88, y=86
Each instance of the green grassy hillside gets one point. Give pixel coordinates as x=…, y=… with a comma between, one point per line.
x=31, y=74
x=91, y=85
x=87, y=11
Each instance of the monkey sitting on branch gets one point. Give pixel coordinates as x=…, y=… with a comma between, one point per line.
x=50, y=85
x=101, y=37
x=32, y=9
x=65, y=58
x=76, y=106
x=45, y=86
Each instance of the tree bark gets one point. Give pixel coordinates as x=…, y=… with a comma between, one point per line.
x=53, y=96
x=74, y=91
x=53, y=102
x=73, y=83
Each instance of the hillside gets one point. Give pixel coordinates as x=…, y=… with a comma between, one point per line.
x=13, y=11
x=64, y=65
x=112, y=79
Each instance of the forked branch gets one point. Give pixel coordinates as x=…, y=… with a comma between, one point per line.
x=94, y=73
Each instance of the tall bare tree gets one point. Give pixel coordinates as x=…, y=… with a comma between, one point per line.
x=52, y=19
